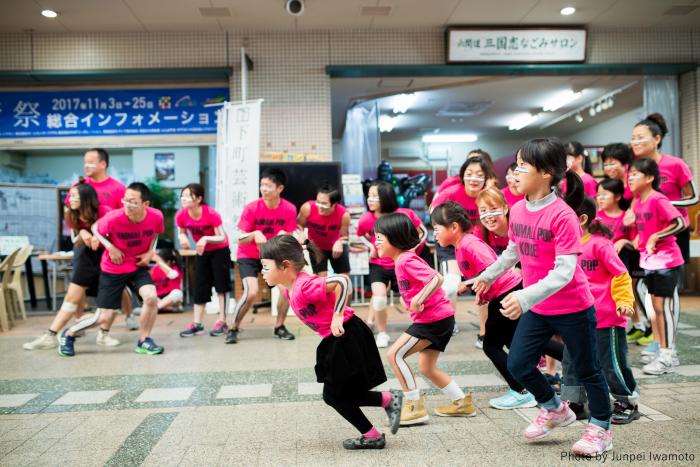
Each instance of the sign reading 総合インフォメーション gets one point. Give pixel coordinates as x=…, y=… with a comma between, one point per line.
x=505, y=45
x=124, y=112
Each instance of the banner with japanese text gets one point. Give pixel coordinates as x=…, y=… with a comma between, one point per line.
x=125, y=112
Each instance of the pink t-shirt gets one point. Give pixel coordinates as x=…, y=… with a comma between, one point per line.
x=651, y=216
x=673, y=175
x=110, y=192
x=313, y=305
x=257, y=216
x=590, y=185
x=457, y=194
x=497, y=243
x=412, y=274
x=324, y=231
x=541, y=236
x=202, y=227
x=449, y=182
x=473, y=256
x=164, y=285
x=511, y=198
x=600, y=263
x=366, y=226
x=101, y=211
x=131, y=238
x=616, y=226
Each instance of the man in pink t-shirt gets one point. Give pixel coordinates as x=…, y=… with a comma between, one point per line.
x=109, y=191
x=129, y=236
x=262, y=219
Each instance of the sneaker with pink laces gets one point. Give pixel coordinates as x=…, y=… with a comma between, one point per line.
x=596, y=440
x=547, y=420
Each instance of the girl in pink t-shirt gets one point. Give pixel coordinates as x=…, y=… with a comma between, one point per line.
x=546, y=238
x=611, y=286
x=347, y=360
x=657, y=221
x=577, y=160
x=167, y=278
x=433, y=323
x=509, y=192
x=212, y=264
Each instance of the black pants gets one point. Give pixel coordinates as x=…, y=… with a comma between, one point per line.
x=499, y=334
x=348, y=406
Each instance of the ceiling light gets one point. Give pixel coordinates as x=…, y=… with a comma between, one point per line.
x=560, y=100
x=453, y=138
x=387, y=123
x=591, y=112
x=522, y=120
x=402, y=102
x=598, y=107
x=611, y=102
x=579, y=118
x=567, y=11
x=49, y=13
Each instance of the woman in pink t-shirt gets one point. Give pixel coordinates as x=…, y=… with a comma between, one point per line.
x=347, y=360
x=212, y=264
x=675, y=177
x=545, y=237
x=381, y=200
x=657, y=221
x=432, y=319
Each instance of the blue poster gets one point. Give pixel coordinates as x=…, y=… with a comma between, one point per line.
x=125, y=112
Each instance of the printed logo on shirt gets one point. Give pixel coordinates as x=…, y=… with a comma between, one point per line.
x=465, y=265
x=663, y=179
x=528, y=232
x=321, y=229
x=589, y=264
x=134, y=239
x=266, y=226
x=308, y=311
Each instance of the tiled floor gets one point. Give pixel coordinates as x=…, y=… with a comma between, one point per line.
x=257, y=403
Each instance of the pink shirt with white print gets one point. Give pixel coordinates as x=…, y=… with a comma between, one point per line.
x=459, y=195
x=313, y=305
x=653, y=215
x=412, y=275
x=324, y=231
x=674, y=173
x=616, y=226
x=203, y=227
x=600, y=262
x=541, y=236
x=473, y=256
x=257, y=216
x=131, y=238
x=366, y=226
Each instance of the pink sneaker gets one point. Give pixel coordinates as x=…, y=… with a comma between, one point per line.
x=547, y=420
x=596, y=440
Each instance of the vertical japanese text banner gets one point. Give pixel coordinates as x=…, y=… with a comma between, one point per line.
x=237, y=162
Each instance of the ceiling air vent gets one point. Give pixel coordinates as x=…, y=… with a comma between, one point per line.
x=464, y=109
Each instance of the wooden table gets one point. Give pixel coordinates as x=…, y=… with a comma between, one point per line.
x=55, y=258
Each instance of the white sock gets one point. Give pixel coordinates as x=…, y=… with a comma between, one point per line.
x=412, y=395
x=453, y=392
x=640, y=325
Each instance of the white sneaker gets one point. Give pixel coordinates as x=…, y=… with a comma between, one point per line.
x=650, y=358
x=383, y=340
x=103, y=338
x=45, y=341
x=136, y=311
x=132, y=323
x=661, y=365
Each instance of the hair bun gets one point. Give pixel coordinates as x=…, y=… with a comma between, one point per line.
x=660, y=121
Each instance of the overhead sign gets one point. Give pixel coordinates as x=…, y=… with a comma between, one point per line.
x=515, y=45
x=125, y=112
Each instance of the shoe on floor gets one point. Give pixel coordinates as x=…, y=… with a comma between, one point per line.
x=413, y=412
x=460, y=408
x=103, y=338
x=136, y=311
x=393, y=411
x=661, y=365
x=365, y=443
x=675, y=361
x=634, y=334
x=455, y=330
x=624, y=413
x=580, y=410
x=232, y=336
x=513, y=400
x=596, y=440
x=282, y=333
x=193, y=329
x=646, y=340
x=149, y=347
x=132, y=324
x=382, y=340
x=66, y=344
x=547, y=420
x=219, y=329
x=45, y=341
x=479, y=344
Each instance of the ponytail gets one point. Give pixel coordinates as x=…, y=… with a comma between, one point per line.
x=574, y=190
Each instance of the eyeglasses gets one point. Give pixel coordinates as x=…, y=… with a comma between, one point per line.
x=493, y=213
x=521, y=170
x=471, y=178
x=640, y=141
x=131, y=204
x=633, y=178
x=89, y=165
x=602, y=196
x=612, y=165
x=323, y=205
x=373, y=199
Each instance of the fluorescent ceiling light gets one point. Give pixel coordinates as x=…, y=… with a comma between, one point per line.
x=522, y=120
x=402, y=102
x=387, y=123
x=567, y=11
x=453, y=138
x=559, y=100
x=49, y=13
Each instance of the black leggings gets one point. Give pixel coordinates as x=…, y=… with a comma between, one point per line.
x=348, y=405
x=499, y=333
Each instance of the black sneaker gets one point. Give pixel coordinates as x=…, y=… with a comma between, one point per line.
x=580, y=410
x=232, y=336
x=624, y=413
x=282, y=333
x=365, y=443
x=393, y=410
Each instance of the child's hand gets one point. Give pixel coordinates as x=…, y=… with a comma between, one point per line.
x=651, y=243
x=94, y=243
x=337, y=249
x=337, y=325
x=462, y=288
x=624, y=310
x=115, y=254
x=620, y=244
x=184, y=241
x=145, y=259
x=259, y=237
x=201, y=244
x=511, y=307
x=415, y=307
x=629, y=217
x=480, y=300
x=480, y=285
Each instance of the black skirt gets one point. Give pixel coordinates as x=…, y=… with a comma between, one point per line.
x=437, y=332
x=630, y=258
x=351, y=362
x=86, y=268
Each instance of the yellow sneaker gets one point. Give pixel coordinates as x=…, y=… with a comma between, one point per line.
x=460, y=408
x=413, y=412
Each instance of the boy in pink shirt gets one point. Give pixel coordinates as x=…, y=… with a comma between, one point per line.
x=129, y=236
x=261, y=220
x=433, y=323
